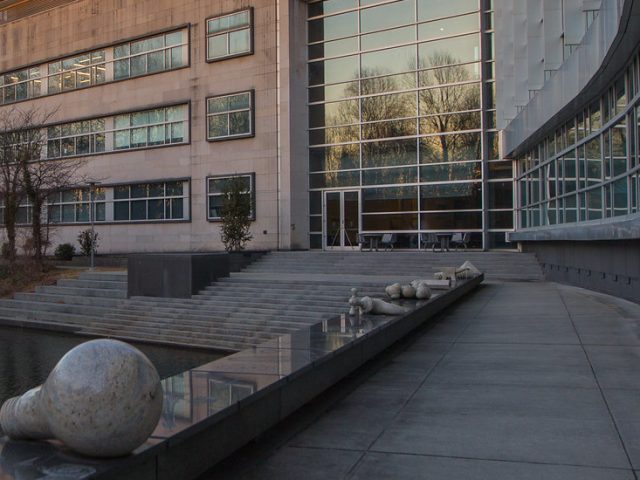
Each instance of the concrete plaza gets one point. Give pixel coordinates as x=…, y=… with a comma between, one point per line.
x=529, y=380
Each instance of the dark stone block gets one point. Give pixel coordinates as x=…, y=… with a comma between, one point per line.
x=174, y=275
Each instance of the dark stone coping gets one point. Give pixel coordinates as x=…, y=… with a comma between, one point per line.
x=214, y=409
x=610, y=229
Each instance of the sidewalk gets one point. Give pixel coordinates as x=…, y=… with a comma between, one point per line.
x=520, y=381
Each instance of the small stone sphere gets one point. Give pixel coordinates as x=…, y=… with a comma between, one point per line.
x=394, y=291
x=408, y=291
x=423, y=292
x=103, y=398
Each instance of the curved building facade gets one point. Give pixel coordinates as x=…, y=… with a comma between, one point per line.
x=576, y=146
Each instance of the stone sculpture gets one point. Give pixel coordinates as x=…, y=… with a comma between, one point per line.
x=102, y=399
x=466, y=270
x=394, y=291
x=408, y=291
x=374, y=306
x=417, y=289
x=423, y=291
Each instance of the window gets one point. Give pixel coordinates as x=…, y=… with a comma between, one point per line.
x=72, y=206
x=230, y=35
x=150, y=202
x=230, y=116
x=77, y=72
x=145, y=129
x=146, y=56
x=150, y=128
x=149, y=55
x=20, y=85
x=78, y=138
x=215, y=193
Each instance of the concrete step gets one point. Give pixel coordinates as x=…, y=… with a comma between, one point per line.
x=237, y=309
x=204, y=301
x=87, y=292
x=101, y=284
x=193, y=331
x=104, y=276
x=44, y=315
x=177, y=340
x=70, y=299
x=54, y=307
x=259, y=321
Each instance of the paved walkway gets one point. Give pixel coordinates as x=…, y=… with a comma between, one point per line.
x=520, y=381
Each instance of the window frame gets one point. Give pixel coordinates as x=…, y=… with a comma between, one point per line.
x=252, y=193
x=252, y=110
x=105, y=46
x=112, y=131
x=207, y=35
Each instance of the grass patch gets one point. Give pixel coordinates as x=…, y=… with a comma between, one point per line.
x=25, y=276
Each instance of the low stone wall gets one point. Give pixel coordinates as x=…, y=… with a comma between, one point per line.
x=611, y=267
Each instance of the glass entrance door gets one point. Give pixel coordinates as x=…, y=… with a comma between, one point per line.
x=341, y=219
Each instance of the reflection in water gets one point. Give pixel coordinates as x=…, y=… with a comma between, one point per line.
x=28, y=356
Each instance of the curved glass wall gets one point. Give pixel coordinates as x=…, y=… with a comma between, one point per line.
x=589, y=168
x=400, y=110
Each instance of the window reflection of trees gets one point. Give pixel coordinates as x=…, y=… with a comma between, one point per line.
x=385, y=110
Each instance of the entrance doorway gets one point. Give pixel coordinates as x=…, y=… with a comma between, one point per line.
x=341, y=219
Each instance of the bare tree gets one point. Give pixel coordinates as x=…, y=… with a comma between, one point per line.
x=28, y=175
x=11, y=191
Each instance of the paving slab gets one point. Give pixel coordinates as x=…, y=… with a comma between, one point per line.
x=379, y=466
x=508, y=364
x=520, y=381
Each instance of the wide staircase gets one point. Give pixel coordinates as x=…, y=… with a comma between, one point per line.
x=275, y=295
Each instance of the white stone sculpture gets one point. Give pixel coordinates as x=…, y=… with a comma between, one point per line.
x=394, y=291
x=469, y=270
x=466, y=270
x=103, y=399
x=408, y=291
x=423, y=291
x=374, y=306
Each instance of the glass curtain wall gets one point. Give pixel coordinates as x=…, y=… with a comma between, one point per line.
x=588, y=169
x=401, y=110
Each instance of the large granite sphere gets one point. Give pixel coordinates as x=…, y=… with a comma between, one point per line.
x=103, y=398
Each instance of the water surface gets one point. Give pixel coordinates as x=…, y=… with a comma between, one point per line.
x=27, y=357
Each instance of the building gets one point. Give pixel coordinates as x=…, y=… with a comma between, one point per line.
x=572, y=125
x=164, y=100
x=343, y=117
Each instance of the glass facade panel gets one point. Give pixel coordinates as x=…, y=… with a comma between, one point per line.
x=455, y=196
x=400, y=119
x=387, y=16
x=591, y=169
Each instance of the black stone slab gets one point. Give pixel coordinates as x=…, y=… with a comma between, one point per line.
x=174, y=275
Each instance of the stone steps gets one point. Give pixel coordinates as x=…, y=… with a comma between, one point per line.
x=275, y=295
x=87, y=292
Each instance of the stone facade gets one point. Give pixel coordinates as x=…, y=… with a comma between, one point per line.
x=86, y=25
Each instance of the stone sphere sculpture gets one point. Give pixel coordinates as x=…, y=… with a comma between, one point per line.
x=102, y=399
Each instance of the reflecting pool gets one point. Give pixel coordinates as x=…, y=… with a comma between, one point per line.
x=27, y=357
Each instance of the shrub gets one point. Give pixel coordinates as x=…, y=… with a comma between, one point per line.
x=87, y=242
x=235, y=215
x=65, y=251
x=4, y=251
